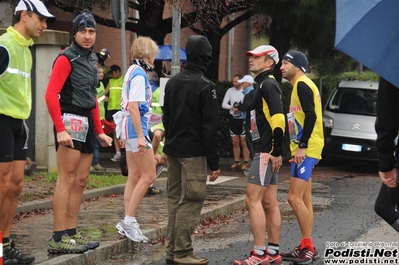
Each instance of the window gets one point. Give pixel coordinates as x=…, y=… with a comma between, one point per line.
x=353, y=101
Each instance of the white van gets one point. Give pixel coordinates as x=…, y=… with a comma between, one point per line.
x=348, y=118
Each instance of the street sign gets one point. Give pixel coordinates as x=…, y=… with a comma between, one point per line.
x=116, y=11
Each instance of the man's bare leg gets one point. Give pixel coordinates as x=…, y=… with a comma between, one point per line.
x=12, y=183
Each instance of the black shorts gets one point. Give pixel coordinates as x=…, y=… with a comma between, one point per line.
x=236, y=126
x=108, y=115
x=12, y=139
x=86, y=147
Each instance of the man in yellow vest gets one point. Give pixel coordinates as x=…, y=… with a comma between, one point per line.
x=305, y=127
x=114, y=92
x=95, y=166
x=30, y=17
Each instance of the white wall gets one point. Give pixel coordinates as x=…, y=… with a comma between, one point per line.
x=44, y=137
x=47, y=49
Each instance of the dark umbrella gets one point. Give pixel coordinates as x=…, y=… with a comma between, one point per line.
x=368, y=31
x=165, y=54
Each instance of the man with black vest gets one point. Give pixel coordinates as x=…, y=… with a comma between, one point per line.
x=73, y=107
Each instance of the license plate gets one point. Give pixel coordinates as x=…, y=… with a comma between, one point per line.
x=352, y=147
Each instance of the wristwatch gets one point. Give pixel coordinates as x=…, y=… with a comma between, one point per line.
x=302, y=145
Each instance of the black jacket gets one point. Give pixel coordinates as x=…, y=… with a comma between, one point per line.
x=269, y=113
x=387, y=126
x=191, y=111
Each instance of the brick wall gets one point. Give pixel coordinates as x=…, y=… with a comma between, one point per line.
x=110, y=38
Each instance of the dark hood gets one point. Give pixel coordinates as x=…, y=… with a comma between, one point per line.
x=199, y=52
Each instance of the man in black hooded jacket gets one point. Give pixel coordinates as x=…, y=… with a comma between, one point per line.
x=387, y=128
x=191, y=120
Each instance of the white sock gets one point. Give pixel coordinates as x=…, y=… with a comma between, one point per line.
x=260, y=250
x=130, y=219
x=118, y=152
x=272, y=250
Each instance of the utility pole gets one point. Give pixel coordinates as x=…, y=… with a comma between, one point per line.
x=123, y=36
x=230, y=51
x=176, y=22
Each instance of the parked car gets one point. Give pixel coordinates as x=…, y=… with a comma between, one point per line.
x=348, y=118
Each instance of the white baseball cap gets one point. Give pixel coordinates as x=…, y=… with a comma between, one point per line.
x=265, y=50
x=36, y=6
x=246, y=78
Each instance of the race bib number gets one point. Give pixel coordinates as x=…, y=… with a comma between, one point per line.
x=291, y=126
x=254, y=128
x=77, y=126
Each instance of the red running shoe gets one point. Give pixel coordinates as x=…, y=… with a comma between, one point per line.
x=253, y=259
x=307, y=256
x=274, y=259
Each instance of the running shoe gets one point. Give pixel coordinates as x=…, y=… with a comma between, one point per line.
x=10, y=254
x=97, y=167
x=7, y=261
x=296, y=253
x=253, y=259
x=244, y=167
x=152, y=190
x=81, y=240
x=274, y=259
x=290, y=256
x=307, y=256
x=119, y=228
x=131, y=231
x=235, y=167
x=66, y=246
x=116, y=157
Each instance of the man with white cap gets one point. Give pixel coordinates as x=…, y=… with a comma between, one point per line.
x=30, y=19
x=246, y=82
x=306, y=144
x=234, y=95
x=267, y=123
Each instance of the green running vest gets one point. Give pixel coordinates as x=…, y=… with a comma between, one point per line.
x=15, y=83
x=115, y=93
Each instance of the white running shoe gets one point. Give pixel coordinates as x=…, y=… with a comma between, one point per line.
x=131, y=231
x=120, y=229
x=116, y=157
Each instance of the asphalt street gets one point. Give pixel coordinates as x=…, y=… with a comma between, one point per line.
x=343, y=202
x=344, y=213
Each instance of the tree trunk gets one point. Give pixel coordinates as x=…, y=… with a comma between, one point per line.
x=213, y=70
x=280, y=39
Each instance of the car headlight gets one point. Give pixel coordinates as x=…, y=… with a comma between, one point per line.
x=328, y=121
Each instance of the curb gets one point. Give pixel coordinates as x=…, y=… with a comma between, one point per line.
x=107, y=250
x=87, y=195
